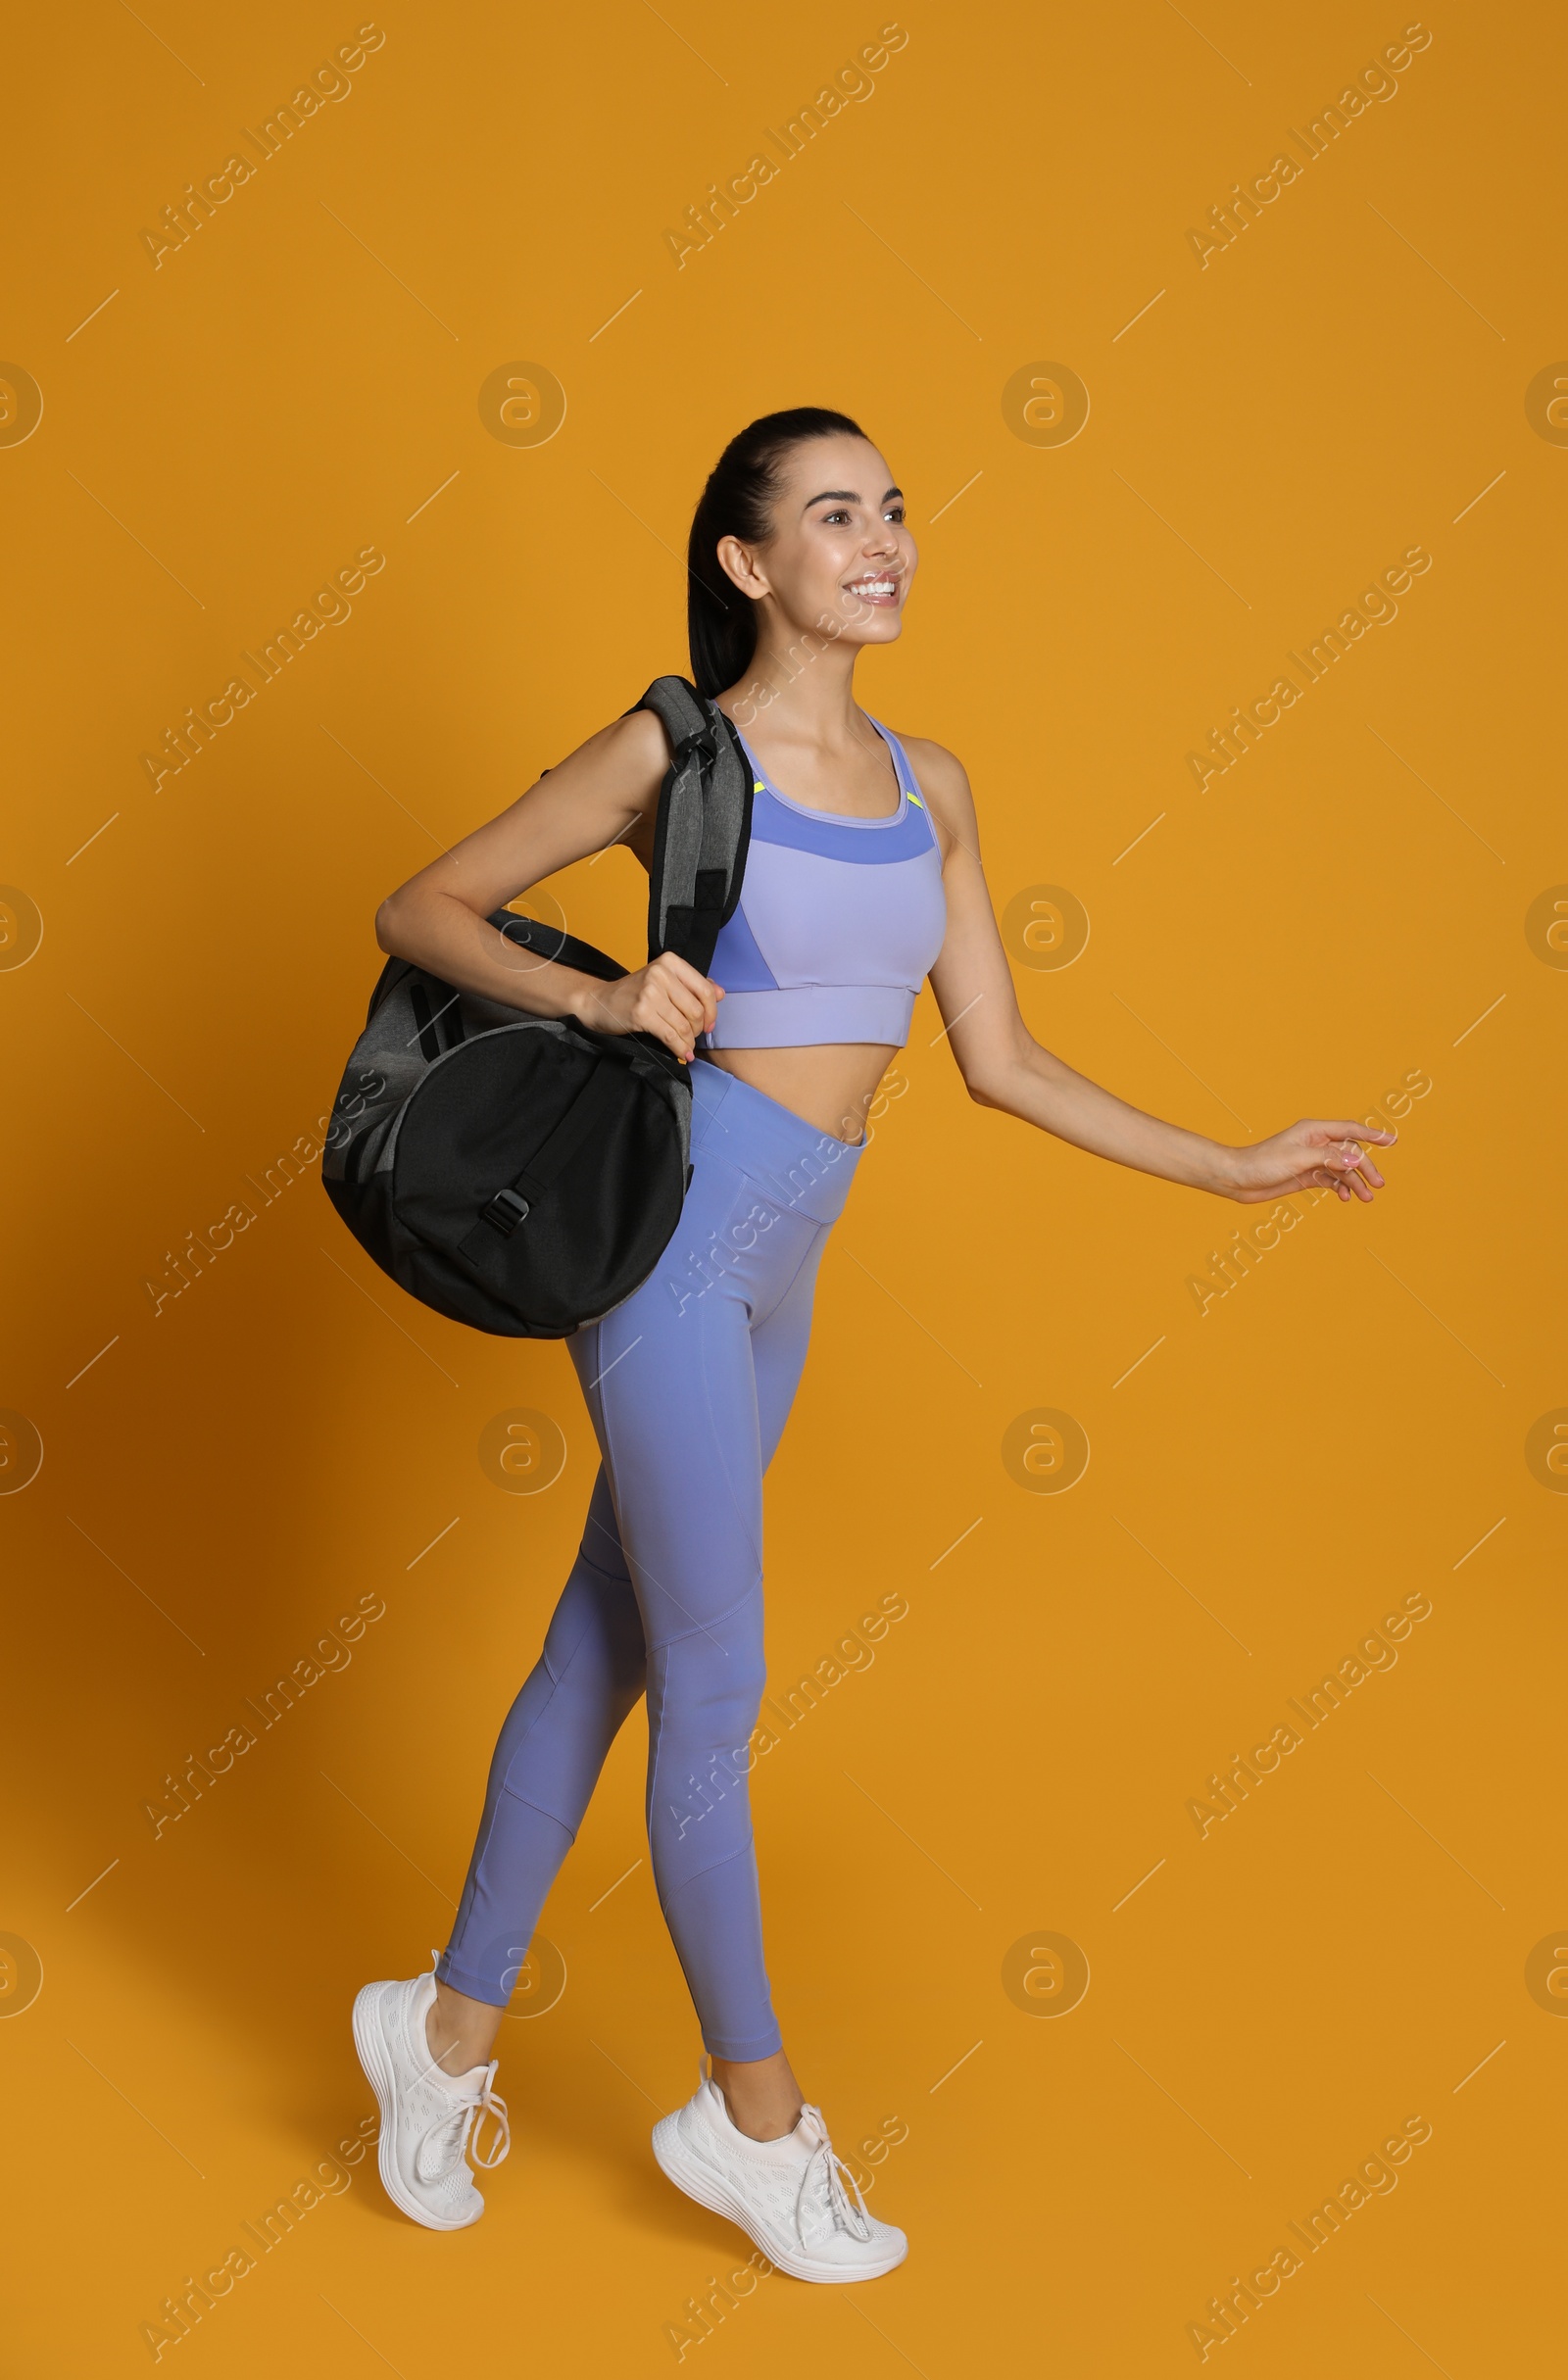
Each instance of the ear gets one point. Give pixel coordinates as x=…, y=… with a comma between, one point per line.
x=738, y=562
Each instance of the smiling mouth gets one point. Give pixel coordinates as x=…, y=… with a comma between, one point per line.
x=883, y=589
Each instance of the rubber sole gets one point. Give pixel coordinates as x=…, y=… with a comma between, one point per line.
x=371, y=2045
x=677, y=2165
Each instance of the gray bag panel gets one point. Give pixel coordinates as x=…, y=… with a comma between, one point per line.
x=704, y=823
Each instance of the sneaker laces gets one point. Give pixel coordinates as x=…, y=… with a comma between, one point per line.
x=447, y=2140
x=823, y=2180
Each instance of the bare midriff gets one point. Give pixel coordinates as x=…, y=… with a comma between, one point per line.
x=831, y=1087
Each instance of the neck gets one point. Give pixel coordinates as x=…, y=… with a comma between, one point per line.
x=802, y=685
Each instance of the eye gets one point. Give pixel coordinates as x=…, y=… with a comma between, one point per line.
x=895, y=513
x=833, y=519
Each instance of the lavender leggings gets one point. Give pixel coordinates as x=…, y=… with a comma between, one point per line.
x=689, y=1384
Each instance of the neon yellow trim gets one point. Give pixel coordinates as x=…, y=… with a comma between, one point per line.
x=758, y=787
x=915, y=799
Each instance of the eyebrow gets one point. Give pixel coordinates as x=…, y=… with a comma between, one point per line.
x=847, y=496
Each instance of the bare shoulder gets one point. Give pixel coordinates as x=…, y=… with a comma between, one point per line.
x=636, y=742
x=628, y=759
x=642, y=738
x=945, y=783
x=935, y=765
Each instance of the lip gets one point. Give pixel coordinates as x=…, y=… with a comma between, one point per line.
x=893, y=580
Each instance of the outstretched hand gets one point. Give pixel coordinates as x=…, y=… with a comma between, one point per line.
x=1309, y=1155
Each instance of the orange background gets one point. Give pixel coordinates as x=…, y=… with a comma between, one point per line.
x=291, y=1434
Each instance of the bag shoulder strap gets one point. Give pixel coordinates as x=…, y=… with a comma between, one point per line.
x=704, y=824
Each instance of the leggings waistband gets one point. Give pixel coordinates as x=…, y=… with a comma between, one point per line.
x=790, y=1161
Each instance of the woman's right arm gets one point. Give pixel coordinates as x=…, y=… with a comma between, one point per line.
x=606, y=792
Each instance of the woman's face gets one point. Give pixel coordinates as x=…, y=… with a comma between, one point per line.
x=840, y=558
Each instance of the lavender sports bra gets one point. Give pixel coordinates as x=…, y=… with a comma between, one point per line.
x=838, y=921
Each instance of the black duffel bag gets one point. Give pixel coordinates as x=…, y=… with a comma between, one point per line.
x=525, y=1174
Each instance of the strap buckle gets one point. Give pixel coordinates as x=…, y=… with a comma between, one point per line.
x=505, y=1212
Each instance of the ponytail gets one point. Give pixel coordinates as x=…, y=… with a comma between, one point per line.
x=738, y=502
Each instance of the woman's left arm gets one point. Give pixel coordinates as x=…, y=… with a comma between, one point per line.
x=1004, y=1066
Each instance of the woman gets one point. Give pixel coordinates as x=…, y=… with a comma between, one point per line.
x=864, y=877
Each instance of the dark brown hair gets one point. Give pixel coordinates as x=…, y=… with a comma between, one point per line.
x=738, y=502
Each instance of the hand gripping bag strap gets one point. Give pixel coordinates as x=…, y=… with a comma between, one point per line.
x=704, y=824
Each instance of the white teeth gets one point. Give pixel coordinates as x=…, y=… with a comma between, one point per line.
x=871, y=586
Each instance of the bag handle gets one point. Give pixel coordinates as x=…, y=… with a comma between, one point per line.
x=553, y=942
x=704, y=824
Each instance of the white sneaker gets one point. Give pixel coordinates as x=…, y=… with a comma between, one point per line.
x=786, y=2195
x=426, y=2114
